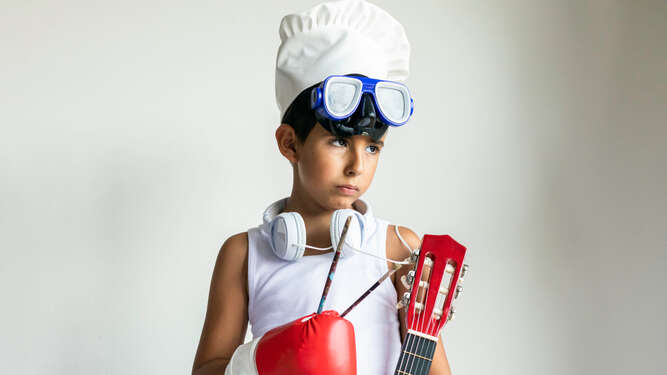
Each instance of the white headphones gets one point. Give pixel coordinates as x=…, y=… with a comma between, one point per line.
x=287, y=232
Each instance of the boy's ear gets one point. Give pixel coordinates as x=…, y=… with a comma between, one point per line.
x=287, y=142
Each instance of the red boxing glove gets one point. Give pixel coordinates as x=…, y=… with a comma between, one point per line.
x=313, y=344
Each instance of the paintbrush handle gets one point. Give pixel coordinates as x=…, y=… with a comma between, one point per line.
x=332, y=269
x=372, y=288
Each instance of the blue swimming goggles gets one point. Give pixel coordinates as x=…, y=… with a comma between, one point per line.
x=338, y=97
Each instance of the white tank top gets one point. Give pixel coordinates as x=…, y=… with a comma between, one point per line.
x=280, y=291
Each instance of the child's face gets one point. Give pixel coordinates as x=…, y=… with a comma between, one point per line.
x=325, y=163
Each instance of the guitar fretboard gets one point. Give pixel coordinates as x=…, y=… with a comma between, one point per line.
x=416, y=355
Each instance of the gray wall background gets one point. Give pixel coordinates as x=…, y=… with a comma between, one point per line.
x=136, y=136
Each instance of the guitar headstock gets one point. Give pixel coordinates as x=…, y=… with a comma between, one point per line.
x=434, y=284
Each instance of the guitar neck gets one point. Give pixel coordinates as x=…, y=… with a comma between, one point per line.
x=416, y=355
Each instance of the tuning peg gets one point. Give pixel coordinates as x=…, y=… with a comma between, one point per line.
x=406, y=298
x=450, y=316
x=404, y=301
x=464, y=269
x=459, y=290
x=411, y=277
x=406, y=282
x=414, y=256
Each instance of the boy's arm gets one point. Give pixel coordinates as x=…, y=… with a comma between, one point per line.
x=227, y=312
x=397, y=251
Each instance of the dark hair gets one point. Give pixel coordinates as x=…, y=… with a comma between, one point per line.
x=299, y=115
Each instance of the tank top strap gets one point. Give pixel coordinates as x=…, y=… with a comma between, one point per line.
x=258, y=253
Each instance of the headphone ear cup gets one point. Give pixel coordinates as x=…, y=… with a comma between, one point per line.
x=355, y=232
x=288, y=230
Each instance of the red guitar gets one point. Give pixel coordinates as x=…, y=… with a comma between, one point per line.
x=433, y=285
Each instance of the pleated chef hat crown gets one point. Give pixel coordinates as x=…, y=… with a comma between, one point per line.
x=338, y=37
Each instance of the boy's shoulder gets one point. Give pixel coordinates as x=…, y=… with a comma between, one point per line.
x=233, y=255
x=235, y=246
x=237, y=239
x=395, y=247
x=396, y=250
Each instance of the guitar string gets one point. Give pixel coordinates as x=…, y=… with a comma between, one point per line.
x=428, y=328
x=411, y=348
x=421, y=324
x=424, y=318
x=415, y=326
x=430, y=324
x=408, y=344
x=430, y=320
x=421, y=319
x=419, y=363
x=441, y=317
x=405, y=345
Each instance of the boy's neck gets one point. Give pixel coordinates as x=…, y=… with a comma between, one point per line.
x=316, y=218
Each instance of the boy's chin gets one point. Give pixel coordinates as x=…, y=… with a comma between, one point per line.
x=340, y=201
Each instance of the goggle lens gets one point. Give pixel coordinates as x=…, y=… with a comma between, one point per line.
x=392, y=102
x=341, y=97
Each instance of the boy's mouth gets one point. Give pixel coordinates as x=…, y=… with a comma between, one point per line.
x=347, y=189
x=352, y=187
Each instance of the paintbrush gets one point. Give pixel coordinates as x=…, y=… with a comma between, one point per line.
x=332, y=269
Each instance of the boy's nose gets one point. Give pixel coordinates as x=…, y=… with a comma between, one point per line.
x=355, y=164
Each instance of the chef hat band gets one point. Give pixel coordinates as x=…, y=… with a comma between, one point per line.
x=338, y=37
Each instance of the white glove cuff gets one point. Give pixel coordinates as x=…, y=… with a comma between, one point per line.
x=243, y=360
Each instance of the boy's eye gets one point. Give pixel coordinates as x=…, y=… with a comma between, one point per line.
x=339, y=142
x=342, y=142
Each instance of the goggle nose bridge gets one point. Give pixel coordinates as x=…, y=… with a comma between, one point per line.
x=367, y=86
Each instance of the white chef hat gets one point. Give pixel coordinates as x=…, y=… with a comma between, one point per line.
x=338, y=37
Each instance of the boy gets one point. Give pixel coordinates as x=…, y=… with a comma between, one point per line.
x=333, y=160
